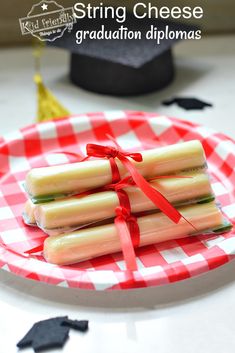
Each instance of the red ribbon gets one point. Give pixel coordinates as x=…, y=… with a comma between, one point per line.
x=126, y=208
x=126, y=226
x=36, y=249
x=126, y=223
x=109, y=152
x=154, y=195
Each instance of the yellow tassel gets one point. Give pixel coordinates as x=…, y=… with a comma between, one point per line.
x=48, y=106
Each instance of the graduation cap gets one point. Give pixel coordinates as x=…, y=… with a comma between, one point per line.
x=121, y=66
x=188, y=103
x=51, y=333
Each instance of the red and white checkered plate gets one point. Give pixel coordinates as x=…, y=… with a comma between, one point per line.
x=157, y=264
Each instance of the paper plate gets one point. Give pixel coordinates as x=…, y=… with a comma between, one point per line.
x=157, y=264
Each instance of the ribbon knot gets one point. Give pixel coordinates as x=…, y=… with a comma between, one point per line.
x=124, y=214
x=99, y=151
x=110, y=152
x=124, y=183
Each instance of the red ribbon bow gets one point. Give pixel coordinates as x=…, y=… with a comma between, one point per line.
x=110, y=152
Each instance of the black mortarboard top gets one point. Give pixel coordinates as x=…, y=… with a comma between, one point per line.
x=121, y=67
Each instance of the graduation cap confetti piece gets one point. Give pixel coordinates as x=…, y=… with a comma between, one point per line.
x=121, y=66
x=188, y=103
x=51, y=333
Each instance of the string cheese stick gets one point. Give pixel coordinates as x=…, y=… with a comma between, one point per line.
x=92, y=242
x=77, y=177
x=74, y=212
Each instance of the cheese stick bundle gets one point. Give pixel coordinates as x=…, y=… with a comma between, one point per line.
x=72, y=213
x=89, y=243
x=82, y=225
x=49, y=183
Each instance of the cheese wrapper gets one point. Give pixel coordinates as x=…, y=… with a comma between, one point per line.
x=48, y=183
x=89, y=243
x=28, y=213
x=69, y=214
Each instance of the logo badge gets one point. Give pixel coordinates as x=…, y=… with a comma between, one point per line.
x=47, y=21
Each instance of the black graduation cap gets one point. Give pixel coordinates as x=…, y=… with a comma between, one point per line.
x=51, y=333
x=121, y=67
x=188, y=103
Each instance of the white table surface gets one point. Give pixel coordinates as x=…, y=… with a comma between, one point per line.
x=196, y=315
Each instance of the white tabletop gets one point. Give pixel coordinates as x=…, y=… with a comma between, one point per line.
x=196, y=315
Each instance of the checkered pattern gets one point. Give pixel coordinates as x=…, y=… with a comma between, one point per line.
x=158, y=264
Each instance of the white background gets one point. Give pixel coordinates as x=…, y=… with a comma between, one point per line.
x=196, y=315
